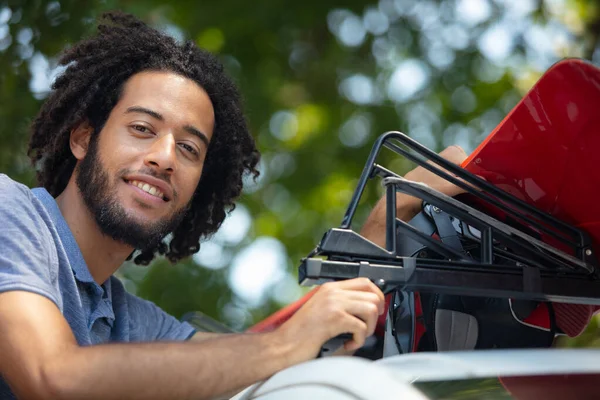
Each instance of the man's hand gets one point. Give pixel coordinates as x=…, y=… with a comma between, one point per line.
x=351, y=306
x=409, y=206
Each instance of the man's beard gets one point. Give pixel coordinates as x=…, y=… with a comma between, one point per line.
x=112, y=219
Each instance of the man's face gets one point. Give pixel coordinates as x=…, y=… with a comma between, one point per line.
x=139, y=176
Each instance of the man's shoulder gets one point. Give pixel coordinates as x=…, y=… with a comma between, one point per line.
x=13, y=192
x=19, y=205
x=28, y=260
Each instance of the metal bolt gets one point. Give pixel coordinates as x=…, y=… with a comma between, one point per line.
x=588, y=252
x=380, y=283
x=436, y=209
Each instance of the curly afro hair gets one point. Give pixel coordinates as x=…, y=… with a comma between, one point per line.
x=90, y=87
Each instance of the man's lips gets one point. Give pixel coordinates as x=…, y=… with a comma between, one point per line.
x=153, y=186
x=148, y=190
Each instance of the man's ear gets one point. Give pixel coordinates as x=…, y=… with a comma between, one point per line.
x=80, y=139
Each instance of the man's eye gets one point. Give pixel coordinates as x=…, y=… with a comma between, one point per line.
x=188, y=148
x=141, y=128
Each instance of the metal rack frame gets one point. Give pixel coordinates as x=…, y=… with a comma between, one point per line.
x=531, y=268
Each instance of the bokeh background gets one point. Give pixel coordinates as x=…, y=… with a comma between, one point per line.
x=321, y=80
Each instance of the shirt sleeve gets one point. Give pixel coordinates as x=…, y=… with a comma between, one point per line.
x=150, y=323
x=27, y=251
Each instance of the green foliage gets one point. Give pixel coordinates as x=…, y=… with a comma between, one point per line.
x=316, y=99
x=589, y=338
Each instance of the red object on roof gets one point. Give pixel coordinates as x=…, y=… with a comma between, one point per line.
x=273, y=321
x=545, y=152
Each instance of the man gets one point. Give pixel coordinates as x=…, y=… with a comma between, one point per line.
x=140, y=151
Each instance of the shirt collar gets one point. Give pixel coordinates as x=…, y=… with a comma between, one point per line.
x=78, y=265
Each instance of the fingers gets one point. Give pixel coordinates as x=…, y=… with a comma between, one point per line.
x=359, y=330
x=352, y=306
x=358, y=284
x=359, y=297
x=366, y=312
x=455, y=154
x=368, y=297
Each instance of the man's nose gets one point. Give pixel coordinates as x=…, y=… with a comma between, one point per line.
x=162, y=154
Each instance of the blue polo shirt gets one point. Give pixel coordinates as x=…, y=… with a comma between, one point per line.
x=39, y=254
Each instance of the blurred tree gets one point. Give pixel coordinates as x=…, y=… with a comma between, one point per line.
x=321, y=80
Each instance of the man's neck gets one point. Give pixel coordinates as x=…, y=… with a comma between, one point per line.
x=102, y=254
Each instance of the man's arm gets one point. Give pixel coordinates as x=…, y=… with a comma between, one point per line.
x=202, y=336
x=41, y=359
x=408, y=206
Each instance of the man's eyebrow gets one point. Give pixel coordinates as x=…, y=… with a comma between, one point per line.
x=137, y=109
x=188, y=128
x=196, y=132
